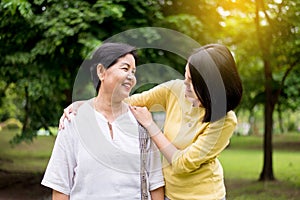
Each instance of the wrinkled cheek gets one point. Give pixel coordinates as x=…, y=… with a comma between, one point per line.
x=134, y=82
x=188, y=92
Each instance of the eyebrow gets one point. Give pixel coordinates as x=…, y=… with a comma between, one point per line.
x=125, y=63
x=188, y=76
x=128, y=65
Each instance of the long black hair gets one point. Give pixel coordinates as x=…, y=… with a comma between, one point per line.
x=216, y=81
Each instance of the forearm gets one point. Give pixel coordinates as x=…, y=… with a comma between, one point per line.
x=59, y=196
x=154, y=99
x=157, y=194
x=162, y=143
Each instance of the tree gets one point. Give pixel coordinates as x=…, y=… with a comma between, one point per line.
x=269, y=53
x=264, y=36
x=43, y=44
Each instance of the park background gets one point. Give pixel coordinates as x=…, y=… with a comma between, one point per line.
x=43, y=44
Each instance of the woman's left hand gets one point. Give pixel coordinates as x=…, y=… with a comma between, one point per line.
x=145, y=118
x=143, y=115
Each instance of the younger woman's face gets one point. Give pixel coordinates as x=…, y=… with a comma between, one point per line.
x=189, y=89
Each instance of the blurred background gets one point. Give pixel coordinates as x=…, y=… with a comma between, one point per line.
x=44, y=42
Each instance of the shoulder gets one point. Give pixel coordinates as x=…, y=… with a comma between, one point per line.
x=173, y=83
x=173, y=86
x=231, y=116
x=230, y=120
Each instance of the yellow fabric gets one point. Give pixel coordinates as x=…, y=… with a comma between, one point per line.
x=195, y=173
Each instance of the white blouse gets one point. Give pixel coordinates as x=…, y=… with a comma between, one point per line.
x=87, y=163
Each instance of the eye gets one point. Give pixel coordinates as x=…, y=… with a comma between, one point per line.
x=125, y=68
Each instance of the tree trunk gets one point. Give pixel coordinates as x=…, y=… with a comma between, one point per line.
x=267, y=172
x=26, y=117
x=280, y=122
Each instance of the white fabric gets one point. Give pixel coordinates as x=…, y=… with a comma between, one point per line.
x=86, y=163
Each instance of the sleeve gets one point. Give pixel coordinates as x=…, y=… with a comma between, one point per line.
x=60, y=170
x=155, y=175
x=154, y=99
x=210, y=142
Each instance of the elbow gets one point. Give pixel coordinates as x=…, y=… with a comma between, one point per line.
x=182, y=169
x=181, y=165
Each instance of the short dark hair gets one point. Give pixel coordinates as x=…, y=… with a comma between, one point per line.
x=216, y=81
x=107, y=55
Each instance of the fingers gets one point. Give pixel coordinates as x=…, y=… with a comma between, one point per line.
x=139, y=111
x=132, y=108
x=137, y=108
x=72, y=108
x=66, y=114
x=61, y=122
x=142, y=115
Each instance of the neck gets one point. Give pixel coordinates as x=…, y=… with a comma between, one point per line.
x=109, y=108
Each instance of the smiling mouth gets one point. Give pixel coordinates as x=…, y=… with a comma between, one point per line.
x=127, y=85
x=187, y=89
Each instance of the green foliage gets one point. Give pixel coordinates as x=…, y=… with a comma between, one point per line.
x=11, y=7
x=198, y=19
x=43, y=43
x=291, y=90
x=185, y=23
x=43, y=46
x=11, y=123
x=279, y=32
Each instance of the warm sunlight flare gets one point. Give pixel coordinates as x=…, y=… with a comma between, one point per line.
x=224, y=13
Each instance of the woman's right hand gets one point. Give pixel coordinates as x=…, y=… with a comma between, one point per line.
x=72, y=108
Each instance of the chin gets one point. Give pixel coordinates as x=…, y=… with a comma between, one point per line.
x=188, y=95
x=124, y=96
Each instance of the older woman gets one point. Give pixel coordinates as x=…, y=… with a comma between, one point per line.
x=101, y=154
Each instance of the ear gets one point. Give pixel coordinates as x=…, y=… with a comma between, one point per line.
x=100, y=71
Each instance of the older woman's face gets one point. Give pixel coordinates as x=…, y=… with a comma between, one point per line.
x=120, y=78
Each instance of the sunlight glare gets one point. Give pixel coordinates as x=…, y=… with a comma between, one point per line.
x=223, y=12
x=223, y=24
x=264, y=23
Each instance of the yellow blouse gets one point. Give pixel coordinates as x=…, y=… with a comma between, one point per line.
x=195, y=172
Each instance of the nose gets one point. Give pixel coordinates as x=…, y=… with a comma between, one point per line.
x=186, y=81
x=130, y=76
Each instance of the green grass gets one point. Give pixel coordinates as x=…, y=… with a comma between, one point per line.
x=242, y=162
x=24, y=157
